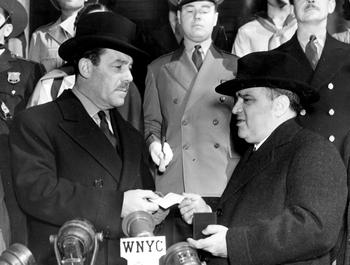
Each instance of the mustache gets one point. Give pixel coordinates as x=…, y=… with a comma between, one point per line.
x=124, y=85
x=311, y=6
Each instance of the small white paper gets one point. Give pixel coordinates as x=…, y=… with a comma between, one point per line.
x=169, y=200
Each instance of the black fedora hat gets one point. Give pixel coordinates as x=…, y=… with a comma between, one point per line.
x=102, y=30
x=18, y=15
x=271, y=69
x=179, y=3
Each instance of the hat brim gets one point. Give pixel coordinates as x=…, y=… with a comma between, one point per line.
x=305, y=92
x=184, y=2
x=19, y=17
x=75, y=47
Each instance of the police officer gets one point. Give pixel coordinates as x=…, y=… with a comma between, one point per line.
x=17, y=80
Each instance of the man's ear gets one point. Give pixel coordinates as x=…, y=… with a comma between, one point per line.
x=331, y=6
x=281, y=105
x=8, y=28
x=85, y=67
x=179, y=16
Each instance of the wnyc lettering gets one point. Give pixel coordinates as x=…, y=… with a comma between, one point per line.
x=145, y=249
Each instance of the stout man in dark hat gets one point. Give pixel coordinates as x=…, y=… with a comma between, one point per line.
x=285, y=201
x=76, y=157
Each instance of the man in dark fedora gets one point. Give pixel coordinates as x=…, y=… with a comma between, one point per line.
x=17, y=81
x=285, y=200
x=76, y=157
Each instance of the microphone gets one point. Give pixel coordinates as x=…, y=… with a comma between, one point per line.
x=181, y=254
x=75, y=239
x=138, y=224
x=17, y=254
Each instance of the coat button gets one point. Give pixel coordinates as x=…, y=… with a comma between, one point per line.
x=184, y=122
x=331, y=138
x=302, y=112
x=331, y=112
x=175, y=101
x=186, y=147
x=219, y=212
x=215, y=122
x=106, y=234
x=98, y=183
x=222, y=99
x=330, y=86
x=216, y=145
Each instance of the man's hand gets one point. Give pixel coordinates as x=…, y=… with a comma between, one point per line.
x=139, y=200
x=193, y=203
x=215, y=244
x=161, y=155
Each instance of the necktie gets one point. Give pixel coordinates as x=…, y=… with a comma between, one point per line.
x=105, y=129
x=311, y=52
x=197, y=57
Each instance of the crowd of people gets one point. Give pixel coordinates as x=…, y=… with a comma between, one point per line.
x=259, y=137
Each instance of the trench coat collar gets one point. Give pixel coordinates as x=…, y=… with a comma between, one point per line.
x=86, y=133
x=59, y=34
x=204, y=78
x=253, y=163
x=181, y=68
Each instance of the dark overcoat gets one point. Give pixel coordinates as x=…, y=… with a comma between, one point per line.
x=330, y=116
x=284, y=202
x=65, y=168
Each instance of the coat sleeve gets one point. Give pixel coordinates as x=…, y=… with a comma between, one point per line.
x=152, y=108
x=43, y=194
x=309, y=225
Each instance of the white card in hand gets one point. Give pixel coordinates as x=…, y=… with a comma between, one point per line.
x=169, y=200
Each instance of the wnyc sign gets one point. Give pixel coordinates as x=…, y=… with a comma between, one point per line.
x=142, y=250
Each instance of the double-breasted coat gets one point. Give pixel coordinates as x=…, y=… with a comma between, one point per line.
x=65, y=168
x=285, y=202
x=330, y=116
x=181, y=105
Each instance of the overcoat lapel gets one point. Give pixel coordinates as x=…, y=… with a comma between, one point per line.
x=56, y=33
x=84, y=131
x=127, y=146
x=181, y=68
x=249, y=167
x=332, y=59
x=211, y=65
x=293, y=48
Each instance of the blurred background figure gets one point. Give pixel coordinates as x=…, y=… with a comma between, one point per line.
x=273, y=25
x=46, y=40
x=345, y=35
x=17, y=80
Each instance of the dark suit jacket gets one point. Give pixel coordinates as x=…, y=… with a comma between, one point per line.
x=284, y=204
x=65, y=168
x=331, y=78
